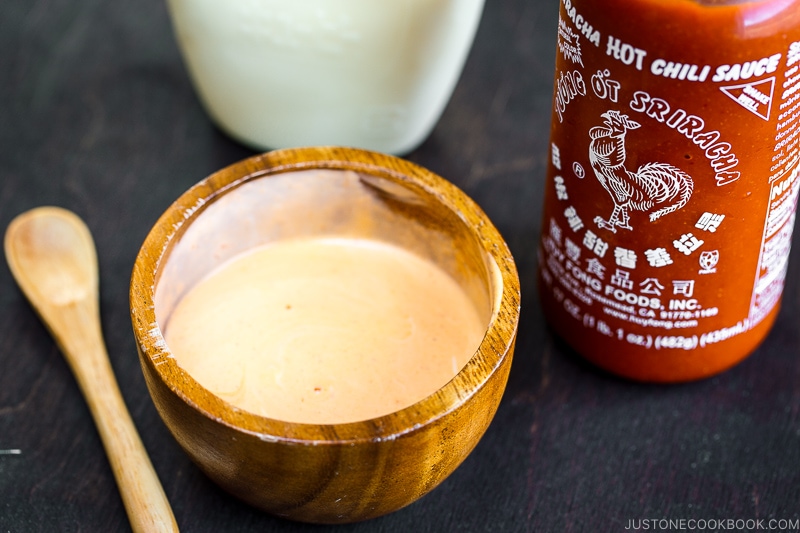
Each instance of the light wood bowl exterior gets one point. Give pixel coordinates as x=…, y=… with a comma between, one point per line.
x=345, y=472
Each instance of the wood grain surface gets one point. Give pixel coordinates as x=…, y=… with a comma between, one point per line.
x=97, y=115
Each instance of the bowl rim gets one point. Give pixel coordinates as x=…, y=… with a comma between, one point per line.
x=495, y=349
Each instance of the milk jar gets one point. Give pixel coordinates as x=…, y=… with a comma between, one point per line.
x=364, y=73
x=673, y=181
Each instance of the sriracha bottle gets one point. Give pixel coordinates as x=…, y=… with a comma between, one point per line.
x=672, y=181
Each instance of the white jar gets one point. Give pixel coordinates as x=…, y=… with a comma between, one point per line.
x=373, y=74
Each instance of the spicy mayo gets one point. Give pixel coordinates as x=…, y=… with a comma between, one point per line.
x=673, y=181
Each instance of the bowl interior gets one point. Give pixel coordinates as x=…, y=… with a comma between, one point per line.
x=251, y=204
x=324, y=203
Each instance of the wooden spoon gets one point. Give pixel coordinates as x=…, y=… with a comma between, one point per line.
x=52, y=256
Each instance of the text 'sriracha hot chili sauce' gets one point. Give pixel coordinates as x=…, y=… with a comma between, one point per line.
x=673, y=181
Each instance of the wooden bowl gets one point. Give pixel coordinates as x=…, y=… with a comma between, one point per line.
x=342, y=472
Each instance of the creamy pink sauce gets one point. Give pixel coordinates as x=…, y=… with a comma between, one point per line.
x=324, y=330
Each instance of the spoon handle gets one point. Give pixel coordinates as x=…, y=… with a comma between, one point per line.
x=78, y=334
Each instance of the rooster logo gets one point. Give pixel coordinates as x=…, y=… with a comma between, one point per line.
x=655, y=188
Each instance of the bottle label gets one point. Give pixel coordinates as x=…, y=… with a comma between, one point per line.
x=673, y=174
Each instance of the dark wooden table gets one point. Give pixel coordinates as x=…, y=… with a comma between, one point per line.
x=97, y=115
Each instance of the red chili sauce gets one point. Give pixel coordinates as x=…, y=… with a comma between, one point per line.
x=673, y=181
